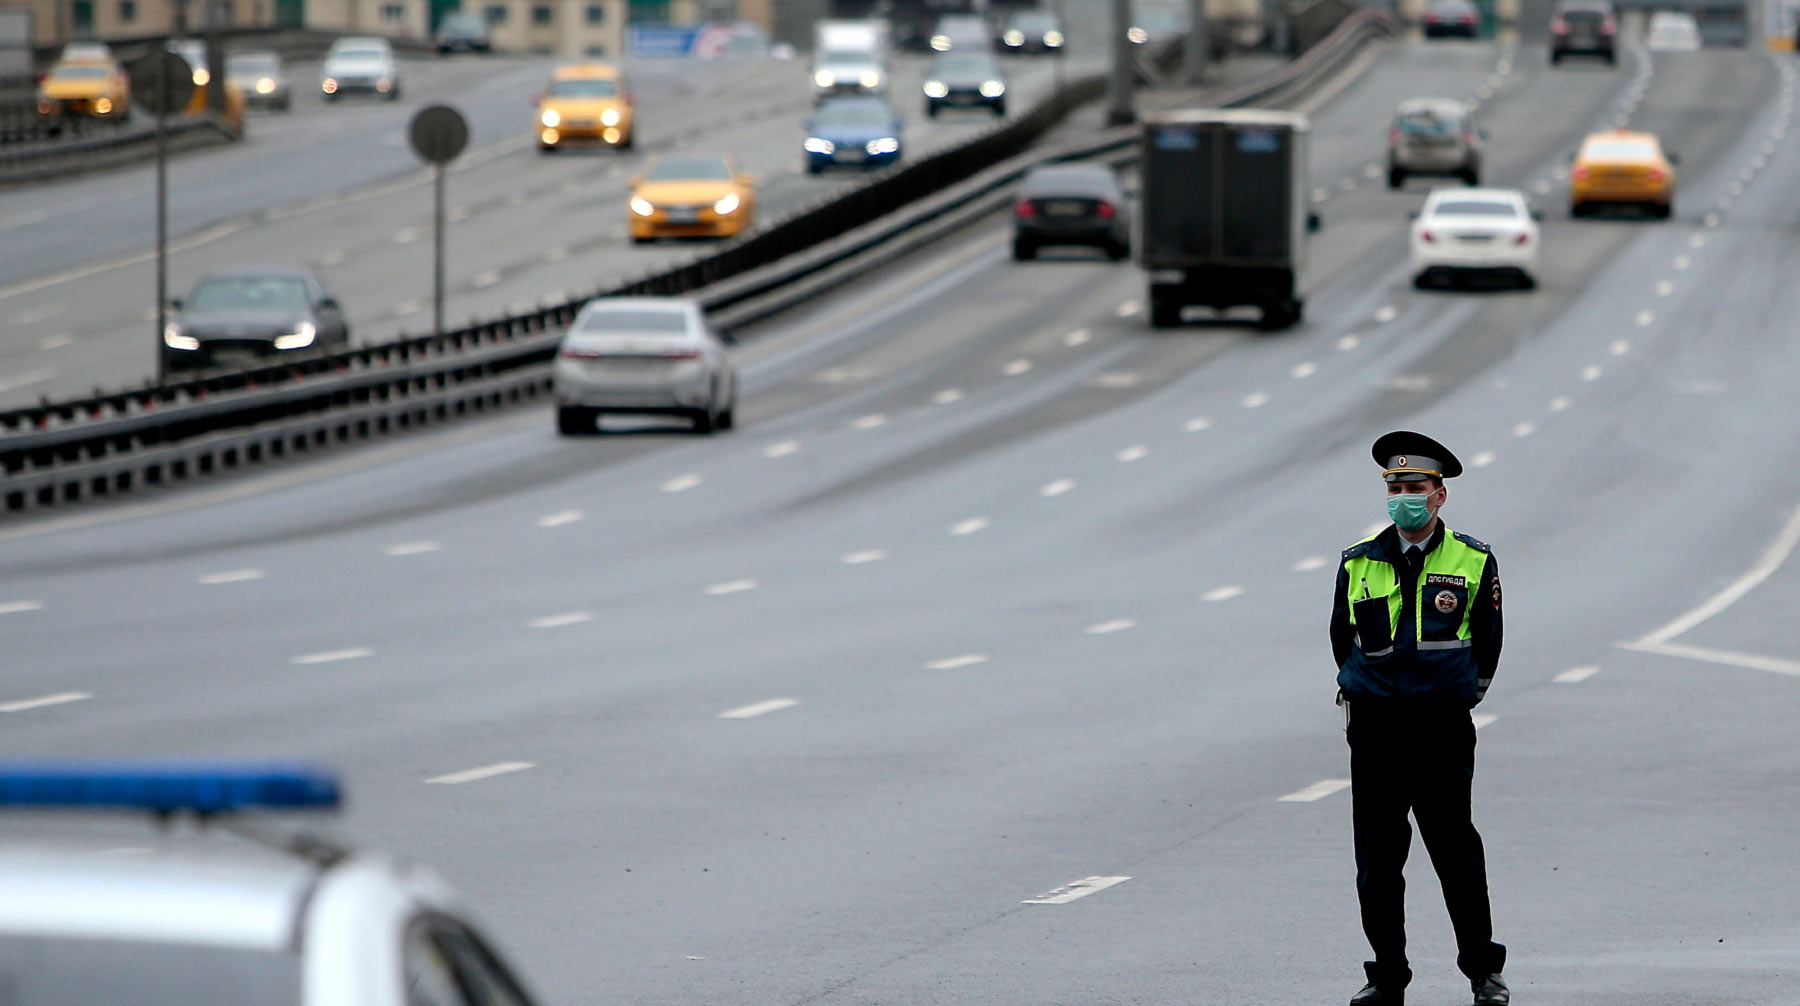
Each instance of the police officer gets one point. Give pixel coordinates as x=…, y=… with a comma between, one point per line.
x=1415, y=630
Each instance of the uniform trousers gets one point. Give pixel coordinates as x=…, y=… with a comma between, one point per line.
x=1418, y=758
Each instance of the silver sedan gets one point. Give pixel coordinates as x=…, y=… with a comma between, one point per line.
x=645, y=355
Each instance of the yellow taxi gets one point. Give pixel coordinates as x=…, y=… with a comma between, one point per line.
x=1622, y=167
x=84, y=88
x=693, y=195
x=587, y=102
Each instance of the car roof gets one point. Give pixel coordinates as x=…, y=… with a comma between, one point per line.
x=1621, y=136
x=1440, y=105
x=165, y=895
x=587, y=71
x=671, y=305
x=1071, y=178
x=273, y=272
x=855, y=101
x=1474, y=194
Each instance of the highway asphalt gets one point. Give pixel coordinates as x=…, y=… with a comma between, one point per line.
x=998, y=596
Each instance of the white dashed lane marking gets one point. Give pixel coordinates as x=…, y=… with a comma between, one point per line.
x=1664, y=288
x=1304, y=369
x=952, y=663
x=1348, y=342
x=1310, y=563
x=1058, y=487
x=57, y=341
x=869, y=422
x=758, y=709
x=476, y=774
x=413, y=548
x=1075, y=889
x=1107, y=628
x=232, y=576
x=59, y=699
x=1129, y=308
x=782, y=449
x=682, y=483
x=558, y=621
x=485, y=278
x=1387, y=313
x=1077, y=337
x=1256, y=400
x=863, y=557
x=1559, y=403
x=1524, y=429
x=407, y=307
x=1576, y=675
x=969, y=526
x=559, y=518
x=1222, y=593
x=1317, y=791
x=947, y=396
x=1133, y=453
x=1591, y=372
x=334, y=656
x=1196, y=424
x=15, y=607
x=406, y=235
x=1482, y=459
x=1016, y=367
x=1682, y=262
x=731, y=587
x=1644, y=318
x=1620, y=347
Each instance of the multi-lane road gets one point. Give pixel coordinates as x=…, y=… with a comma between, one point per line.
x=996, y=591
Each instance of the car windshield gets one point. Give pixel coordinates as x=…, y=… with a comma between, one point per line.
x=463, y=22
x=682, y=169
x=1033, y=21
x=853, y=113
x=1475, y=208
x=1069, y=181
x=1619, y=150
x=972, y=65
x=62, y=970
x=81, y=72
x=360, y=55
x=635, y=319
x=1430, y=123
x=847, y=57
x=590, y=88
x=1160, y=21
x=251, y=292
x=1584, y=16
x=248, y=66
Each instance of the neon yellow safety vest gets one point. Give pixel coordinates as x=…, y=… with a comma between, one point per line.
x=1421, y=648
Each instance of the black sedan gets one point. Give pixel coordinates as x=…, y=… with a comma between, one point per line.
x=1071, y=204
x=965, y=80
x=1446, y=18
x=243, y=316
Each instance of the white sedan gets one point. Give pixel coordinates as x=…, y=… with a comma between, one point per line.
x=1672, y=31
x=645, y=355
x=1467, y=233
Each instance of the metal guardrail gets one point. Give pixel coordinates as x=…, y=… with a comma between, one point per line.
x=59, y=160
x=56, y=453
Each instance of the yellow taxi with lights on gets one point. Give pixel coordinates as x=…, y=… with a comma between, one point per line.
x=691, y=195
x=586, y=103
x=1620, y=167
x=83, y=88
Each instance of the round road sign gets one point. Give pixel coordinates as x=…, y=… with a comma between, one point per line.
x=438, y=134
x=175, y=90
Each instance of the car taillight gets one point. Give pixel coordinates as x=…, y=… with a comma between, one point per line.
x=1581, y=174
x=1559, y=27
x=1469, y=137
x=1024, y=210
x=1468, y=19
x=1430, y=17
x=1656, y=174
x=1524, y=238
x=682, y=354
x=1608, y=26
x=1106, y=210
x=1428, y=237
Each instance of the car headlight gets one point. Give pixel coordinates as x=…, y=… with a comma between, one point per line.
x=551, y=118
x=825, y=78
x=299, y=338
x=328, y=85
x=173, y=338
x=1053, y=38
x=870, y=79
x=728, y=204
x=1138, y=36
x=103, y=106
x=201, y=76
x=609, y=117
x=1014, y=37
x=265, y=85
x=884, y=145
x=383, y=84
x=941, y=43
x=936, y=89
x=819, y=145
x=992, y=88
x=642, y=207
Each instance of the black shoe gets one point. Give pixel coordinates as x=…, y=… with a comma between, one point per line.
x=1374, y=995
x=1491, y=991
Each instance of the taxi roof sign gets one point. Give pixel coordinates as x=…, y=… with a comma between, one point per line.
x=167, y=787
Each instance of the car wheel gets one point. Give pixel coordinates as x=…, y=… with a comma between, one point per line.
x=1611, y=59
x=1664, y=211
x=1164, y=313
x=1578, y=209
x=931, y=110
x=575, y=420
x=1422, y=281
x=727, y=420
x=1000, y=109
x=814, y=168
x=1118, y=251
x=1396, y=178
x=545, y=148
x=1279, y=315
x=1023, y=251
x=1470, y=176
x=1527, y=281
x=703, y=420
x=1555, y=58
x=628, y=142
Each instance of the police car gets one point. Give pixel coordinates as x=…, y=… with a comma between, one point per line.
x=272, y=921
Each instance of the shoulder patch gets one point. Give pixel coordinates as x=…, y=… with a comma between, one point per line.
x=1474, y=543
x=1360, y=548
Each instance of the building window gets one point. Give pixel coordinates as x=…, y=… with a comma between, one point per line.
x=596, y=13
x=127, y=11
x=393, y=13
x=540, y=13
x=496, y=13
x=82, y=17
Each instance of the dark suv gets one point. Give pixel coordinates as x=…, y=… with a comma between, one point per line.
x=1584, y=28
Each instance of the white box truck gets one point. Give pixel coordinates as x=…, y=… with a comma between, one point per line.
x=850, y=57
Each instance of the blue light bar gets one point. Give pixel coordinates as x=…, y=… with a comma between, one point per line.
x=198, y=787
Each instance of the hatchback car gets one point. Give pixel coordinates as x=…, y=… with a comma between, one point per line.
x=1672, y=31
x=1030, y=30
x=360, y=65
x=1071, y=204
x=1621, y=168
x=77, y=90
x=241, y=316
x=858, y=132
x=965, y=80
x=259, y=76
x=1433, y=136
x=1584, y=28
x=586, y=103
x=960, y=31
x=1475, y=233
x=461, y=31
x=691, y=195
x=643, y=355
x=1451, y=19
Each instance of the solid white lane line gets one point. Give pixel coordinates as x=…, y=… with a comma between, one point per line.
x=1576, y=675
x=1075, y=889
x=952, y=663
x=1346, y=343
x=15, y=607
x=57, y=341
x=1129, y=308
x=682, y=483
x=1766, y=564
x=1482, y=719
x=60, y=698
x=1644, y=318
x=1559, y=403
x=1077, y=337
x=1256, y=400
x=758, y=709
x=1057, y=488
x=558, y=621
x=232, y=576
x=484, y=772
x=1591, y=372
x=1482, y=459
x=26, y=378
x=1620, y=347
x=1387, y=313
x=864, y=557
x=1730, y=658
x=1133, y=453
x=1016, y=367
x=1223, y=593
x=731, y=587
x=1107, y=628
x=412, y=548
x=1311, y=563
x=559, y=518
x=782, y=449
x=333, y=656
x=969, y=526
x=1317, y=791
x=869, y=422
x=1304, y=370
x=1196, y=424
x=947, y=396
x=1524, y=429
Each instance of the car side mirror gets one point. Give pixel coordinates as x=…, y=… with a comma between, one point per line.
x=1673, y=158
x=1412, y=214
x=1313, y=223
x=1537, y=215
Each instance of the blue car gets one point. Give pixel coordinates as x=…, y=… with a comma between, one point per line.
x=860, y=132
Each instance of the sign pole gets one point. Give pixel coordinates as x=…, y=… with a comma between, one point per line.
x=162, y=221
x=437, y=293
x=438, y=134
x=1120, y=77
